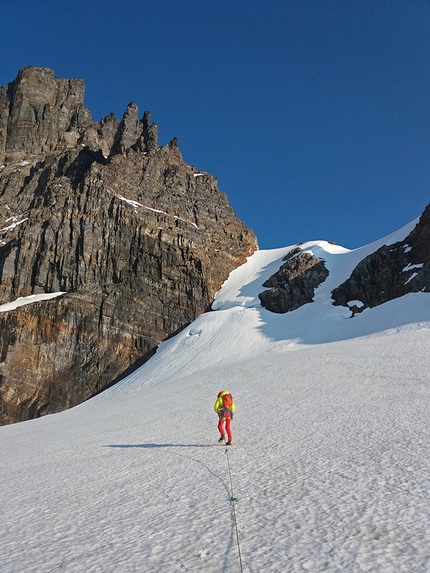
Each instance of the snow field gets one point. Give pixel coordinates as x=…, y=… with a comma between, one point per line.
x=329, y=465
x=330, y=456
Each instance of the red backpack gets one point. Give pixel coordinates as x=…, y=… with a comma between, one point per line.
x=227, y=402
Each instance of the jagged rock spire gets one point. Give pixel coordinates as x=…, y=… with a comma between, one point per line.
x=124, y=227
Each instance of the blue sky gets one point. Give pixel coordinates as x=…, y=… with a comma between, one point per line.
x=314, y=115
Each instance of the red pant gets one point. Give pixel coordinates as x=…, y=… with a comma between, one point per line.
x=227, y=420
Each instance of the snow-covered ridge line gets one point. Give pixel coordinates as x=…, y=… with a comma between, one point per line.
x=21, y=301
x=137, y=204
x=14, y=224
x=17, y=219
x=409, y=267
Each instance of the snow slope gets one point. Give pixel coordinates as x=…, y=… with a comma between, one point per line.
x=330, y=462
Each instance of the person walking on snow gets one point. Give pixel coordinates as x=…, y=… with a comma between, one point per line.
x=224, y=407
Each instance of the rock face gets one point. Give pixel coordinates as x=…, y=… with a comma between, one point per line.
x=390, y=272
x=37, y=110
x=138, y=241
x=295, y=283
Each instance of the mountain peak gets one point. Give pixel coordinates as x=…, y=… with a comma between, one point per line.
x=135, y=241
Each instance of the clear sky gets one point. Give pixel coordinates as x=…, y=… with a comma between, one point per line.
x=314, y=115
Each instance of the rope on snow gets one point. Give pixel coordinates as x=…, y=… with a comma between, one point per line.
x=233, y=500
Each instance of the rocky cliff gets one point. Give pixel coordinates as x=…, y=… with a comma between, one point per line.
x=294, y=284
x=390, y=272
x=137, y=241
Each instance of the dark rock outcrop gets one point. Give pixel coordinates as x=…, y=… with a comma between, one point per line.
x=138, y=240
x=295, y=283
x=39, y=113
x=390, y=272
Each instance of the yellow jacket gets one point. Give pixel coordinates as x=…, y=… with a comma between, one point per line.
x=218, y=403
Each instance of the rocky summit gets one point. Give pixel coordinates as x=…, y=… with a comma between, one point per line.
x=390, y=272
x=294, y=284
x=136, y=241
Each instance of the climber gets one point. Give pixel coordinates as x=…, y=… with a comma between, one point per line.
x=224, y=407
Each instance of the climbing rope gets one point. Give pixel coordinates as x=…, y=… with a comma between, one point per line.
x=233, y=500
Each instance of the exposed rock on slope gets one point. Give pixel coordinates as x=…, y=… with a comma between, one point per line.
x=390, y=272
x=137, y=239
x=295, y=283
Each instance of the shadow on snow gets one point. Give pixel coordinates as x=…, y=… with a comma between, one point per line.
x=147, y=446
